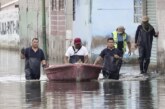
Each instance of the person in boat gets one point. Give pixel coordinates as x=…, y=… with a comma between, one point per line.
x=34, y=57
x=111, y=58
x=77, y=53
x=143, y=40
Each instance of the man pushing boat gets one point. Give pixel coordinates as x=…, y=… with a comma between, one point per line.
x=112, y=58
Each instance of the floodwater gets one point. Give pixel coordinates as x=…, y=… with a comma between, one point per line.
x=127, y=93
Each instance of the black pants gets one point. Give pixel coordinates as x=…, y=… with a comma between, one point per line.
x=30, y=75
x=144, y=58
x=32, y=69
x=111, y=75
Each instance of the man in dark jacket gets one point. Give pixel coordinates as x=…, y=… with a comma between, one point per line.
x=143, y=39
x=111, y=60
x=34, y=57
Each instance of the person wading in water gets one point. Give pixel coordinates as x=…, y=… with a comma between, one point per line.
x=111, y=58
x=34, y=57
x=143, y=40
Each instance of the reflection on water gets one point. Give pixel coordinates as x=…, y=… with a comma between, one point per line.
x=113, y=95
x=103, y=94
x=141, y=94
x=33, y=94
x=72, y=95
x=83, y=95
x=10, y=63
x=145, y=94
x=72, y=86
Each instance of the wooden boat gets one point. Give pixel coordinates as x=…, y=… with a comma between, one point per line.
x=73, y=72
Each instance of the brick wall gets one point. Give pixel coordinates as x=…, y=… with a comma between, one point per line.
x=58, y=20
x=57, y=30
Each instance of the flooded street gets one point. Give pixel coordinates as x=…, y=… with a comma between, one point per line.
x=126, y=93
x=83, y=95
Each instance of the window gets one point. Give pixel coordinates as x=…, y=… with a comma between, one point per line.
x=54, y=4
x=61, y=4
x=58, y=4
x=138, y=10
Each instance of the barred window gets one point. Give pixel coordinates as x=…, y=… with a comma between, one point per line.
x=138, y=10
x=61, y=4
x=54, y=4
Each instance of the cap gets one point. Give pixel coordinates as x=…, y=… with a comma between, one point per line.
x=77, y=41
x=145, y=18
x=120, y=29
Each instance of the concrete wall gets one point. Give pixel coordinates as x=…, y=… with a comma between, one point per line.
x=9, y=24
x=9, y=29
x=30, y=12
x=161, y=40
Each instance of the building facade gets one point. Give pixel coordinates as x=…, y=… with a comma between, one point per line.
x=31, y=21
x=9, y=24
x=160, y=18
x=60, y=25
x=92, y=20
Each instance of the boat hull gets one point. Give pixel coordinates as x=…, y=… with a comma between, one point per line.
x=73, y=72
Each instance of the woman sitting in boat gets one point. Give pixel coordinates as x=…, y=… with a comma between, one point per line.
x=77, y=53
x=111, y=60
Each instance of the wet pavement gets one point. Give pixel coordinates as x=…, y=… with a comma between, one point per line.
x=130, y=92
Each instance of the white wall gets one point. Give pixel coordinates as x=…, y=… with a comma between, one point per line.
x=9, y=28
x=81, y=25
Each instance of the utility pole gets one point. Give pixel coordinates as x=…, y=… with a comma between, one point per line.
x=44, y=29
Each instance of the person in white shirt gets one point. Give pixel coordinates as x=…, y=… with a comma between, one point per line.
x=76, y=53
